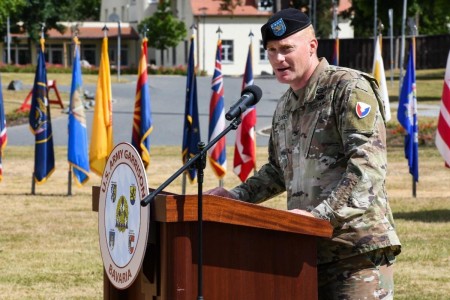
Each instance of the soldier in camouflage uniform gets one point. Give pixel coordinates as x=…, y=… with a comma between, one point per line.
x=327, y=150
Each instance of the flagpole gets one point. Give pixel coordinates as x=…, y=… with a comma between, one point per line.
x=221, y=180
x=402, y=50
x=33, y=180
x=251, y=35
x=413, y=41
x=69, y=186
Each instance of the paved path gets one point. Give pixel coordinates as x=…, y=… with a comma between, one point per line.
x=167, y=95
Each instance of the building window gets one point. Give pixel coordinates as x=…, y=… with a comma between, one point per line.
x=262, y=52
x=54, y=54
x=19, y=55
x=122, y=14
x=227, y=51
x=123, y=55
x=88, y=54
x=265, y=5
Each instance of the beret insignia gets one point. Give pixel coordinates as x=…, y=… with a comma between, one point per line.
x=278, y=27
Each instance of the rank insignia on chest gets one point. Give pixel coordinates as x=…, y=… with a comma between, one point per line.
x=362, y=109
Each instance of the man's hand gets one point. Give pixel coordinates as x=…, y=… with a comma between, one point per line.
x=302, y=212
x=220, y=191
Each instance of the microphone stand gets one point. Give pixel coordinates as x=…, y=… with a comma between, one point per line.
x=200, y=163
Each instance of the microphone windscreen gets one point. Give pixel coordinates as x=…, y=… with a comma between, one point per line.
x=255, y=90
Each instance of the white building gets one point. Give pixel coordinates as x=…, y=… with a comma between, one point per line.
x=207, y=16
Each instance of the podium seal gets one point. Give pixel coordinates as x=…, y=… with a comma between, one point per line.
x=123, y=223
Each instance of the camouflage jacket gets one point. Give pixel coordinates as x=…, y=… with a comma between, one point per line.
x=327, y=150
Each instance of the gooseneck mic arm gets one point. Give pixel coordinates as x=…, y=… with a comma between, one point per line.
x=232, y=126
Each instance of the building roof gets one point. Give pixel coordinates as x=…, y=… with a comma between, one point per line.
x=212, y=8
x=344, y=5
x=94, y=30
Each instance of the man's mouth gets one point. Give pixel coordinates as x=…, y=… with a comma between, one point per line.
x=283, y=69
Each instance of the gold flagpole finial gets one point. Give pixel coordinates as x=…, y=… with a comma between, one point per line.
x=42, y=39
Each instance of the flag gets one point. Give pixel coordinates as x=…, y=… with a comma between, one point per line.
x=191, y=132
x=245, y=146
x=3, y=135
x=380, y=76
x=217, y=153
x=142, y=120
x=77, y=153
x=40, y=123
x=335, y=60
x=407, y=116
x=443, y=127
x=102, y=130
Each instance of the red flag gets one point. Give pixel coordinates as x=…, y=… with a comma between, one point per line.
x=443, y=127
x=245, y=146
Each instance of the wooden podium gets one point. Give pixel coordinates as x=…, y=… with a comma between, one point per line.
x=249, y=252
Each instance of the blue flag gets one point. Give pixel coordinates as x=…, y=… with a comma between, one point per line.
x=407, y=116
x=78, y=144
x=40, y=123
x=191, y=133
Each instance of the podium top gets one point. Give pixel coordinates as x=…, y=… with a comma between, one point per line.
x=178, y=208
x=183, y=208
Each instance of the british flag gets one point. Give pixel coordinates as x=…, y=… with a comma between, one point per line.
x=217, y=153
x=245, y=146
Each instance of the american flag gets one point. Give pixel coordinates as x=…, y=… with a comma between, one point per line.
x=443, y=127
x=217, y=153
x=245, y=146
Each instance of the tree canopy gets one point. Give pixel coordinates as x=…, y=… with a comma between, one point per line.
x=34, y=13
x=163, y=28
x=431, y=17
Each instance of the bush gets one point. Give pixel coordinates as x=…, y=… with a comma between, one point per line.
x=57, y=68
x=395, y=133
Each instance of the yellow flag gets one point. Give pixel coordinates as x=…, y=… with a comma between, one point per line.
x=102, y=130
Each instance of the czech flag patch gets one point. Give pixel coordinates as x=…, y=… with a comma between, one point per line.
x=362, y=109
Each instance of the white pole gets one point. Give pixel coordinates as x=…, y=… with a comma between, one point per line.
x=391, y=34
x=402, y=50
x=8, y=37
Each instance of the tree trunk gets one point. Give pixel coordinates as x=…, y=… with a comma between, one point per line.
x=162, y=57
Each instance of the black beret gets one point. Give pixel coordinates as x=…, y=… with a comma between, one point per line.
x=284, y=23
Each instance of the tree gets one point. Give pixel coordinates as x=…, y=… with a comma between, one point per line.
x=431, y=16
x=33, y=13
x=9, y=8
x=324, y=15
x=164, y=29
x=81, y=10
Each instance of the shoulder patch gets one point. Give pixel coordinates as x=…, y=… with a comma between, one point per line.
x=362, y=109
x=360, y=113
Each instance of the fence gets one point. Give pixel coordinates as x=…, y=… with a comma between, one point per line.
x=431, y=52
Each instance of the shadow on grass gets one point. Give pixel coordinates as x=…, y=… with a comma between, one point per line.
x=437, y=215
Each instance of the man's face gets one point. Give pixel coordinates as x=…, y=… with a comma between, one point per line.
x=291, y=58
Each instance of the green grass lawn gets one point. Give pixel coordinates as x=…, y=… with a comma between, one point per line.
x=49, y=241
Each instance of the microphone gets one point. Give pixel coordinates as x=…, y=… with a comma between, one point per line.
x=249, y=97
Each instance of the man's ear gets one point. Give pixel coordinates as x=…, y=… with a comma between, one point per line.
x=313, y=44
